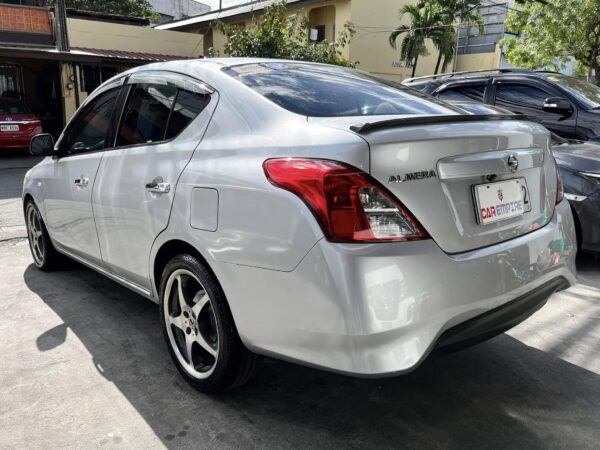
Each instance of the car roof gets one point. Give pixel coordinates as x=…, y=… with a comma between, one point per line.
x=477, y=75
x=217, y=63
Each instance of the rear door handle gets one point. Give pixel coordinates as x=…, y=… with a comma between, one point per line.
x=82, y=181
x=158, y=186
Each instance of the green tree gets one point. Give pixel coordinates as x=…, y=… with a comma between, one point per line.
x=130, y=8
x=423, y=21
x=553, y=33
x=444, y=40
x=465, y=12
x=277, y=34
x=434, y=20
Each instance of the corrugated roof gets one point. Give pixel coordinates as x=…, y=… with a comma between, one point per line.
x=131, y=56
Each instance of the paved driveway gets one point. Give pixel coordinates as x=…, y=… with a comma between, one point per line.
x=83, y=364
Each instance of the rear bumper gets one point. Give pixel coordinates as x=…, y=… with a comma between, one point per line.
x=378, y=310
x=588, y=212
x=498, y=320
x=18, y=140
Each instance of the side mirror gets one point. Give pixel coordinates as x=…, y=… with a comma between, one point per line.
x=558, y=105
x=42, y=145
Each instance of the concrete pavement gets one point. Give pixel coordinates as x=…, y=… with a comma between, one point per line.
x=83, y=364
x=13, y=165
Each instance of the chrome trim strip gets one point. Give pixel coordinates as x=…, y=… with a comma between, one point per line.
x=128, y=284
x=588, y=174
x=17, y=122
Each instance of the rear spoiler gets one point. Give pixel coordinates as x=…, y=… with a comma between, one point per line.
x=433, y=120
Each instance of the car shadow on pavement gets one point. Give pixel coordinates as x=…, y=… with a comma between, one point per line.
x=499, y=394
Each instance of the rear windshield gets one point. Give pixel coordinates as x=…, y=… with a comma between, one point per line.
x=11, y=106
x=328, y=91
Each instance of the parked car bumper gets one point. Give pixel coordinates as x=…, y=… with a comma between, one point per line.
x=379, y=309
x=588, y=213
x=20, y=140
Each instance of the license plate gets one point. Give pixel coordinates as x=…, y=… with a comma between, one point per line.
x=501, y=200
x=9, y=127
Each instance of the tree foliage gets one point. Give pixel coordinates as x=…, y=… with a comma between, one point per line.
x=555, y=32
x=130, y=8
x=276, y=34
x=435, y=20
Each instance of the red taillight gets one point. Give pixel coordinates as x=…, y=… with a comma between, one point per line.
x=349, y=205
x=560, y=192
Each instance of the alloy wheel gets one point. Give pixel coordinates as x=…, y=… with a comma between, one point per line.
x=35, y=234
x=191, y=323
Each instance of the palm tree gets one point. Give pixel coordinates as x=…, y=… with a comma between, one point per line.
x=413, y=45
x=463, y=11
x=444, y=40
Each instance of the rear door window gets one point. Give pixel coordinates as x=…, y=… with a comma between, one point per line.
x=10, y=106
x=187, y=106
x=467, y=92
x=324, y=91
x=146, y=114
x=517, y=97
x=158, y=112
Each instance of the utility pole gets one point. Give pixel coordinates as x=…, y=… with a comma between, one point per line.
x=456, y=50
x=60, y=26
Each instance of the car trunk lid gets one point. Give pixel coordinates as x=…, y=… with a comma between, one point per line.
x=433, y=167
x=18, y=123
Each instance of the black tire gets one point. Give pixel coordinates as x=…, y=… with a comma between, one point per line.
x=45, y=257
x=233, y=364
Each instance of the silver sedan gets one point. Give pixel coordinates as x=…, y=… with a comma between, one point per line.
x=302, y=211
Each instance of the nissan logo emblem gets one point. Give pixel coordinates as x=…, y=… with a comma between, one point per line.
x=513, y=163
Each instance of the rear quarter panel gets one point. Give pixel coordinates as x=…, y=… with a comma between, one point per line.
x=258, y=224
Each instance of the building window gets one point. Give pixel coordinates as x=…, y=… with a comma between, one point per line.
x=322, y=23
x=10, y=81
x=317, y=33
x=94, y=76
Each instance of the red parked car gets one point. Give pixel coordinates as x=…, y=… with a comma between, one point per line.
x=17, y=124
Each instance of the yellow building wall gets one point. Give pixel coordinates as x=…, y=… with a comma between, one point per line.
x=69, y=96
x=370, y=46
x=479, y=61
x=335, y=22
x=374, y=21
x=111, y=36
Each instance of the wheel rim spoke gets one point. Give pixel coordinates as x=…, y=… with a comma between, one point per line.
x=205, y=345
x=200, y=301
x=180, y=296
x=177, y=322
x=189, y=341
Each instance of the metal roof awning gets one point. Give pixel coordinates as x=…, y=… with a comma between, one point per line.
x=85, y=55
x=126, y=55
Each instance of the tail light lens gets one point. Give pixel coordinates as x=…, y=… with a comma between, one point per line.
x=560, y=192
x=349, y=205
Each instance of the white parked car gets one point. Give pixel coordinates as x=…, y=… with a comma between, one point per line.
x=302, y=211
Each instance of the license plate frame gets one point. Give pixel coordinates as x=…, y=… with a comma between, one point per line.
x=9, y=128
x=501, y=200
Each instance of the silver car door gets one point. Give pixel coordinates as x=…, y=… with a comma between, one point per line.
x=68, y=188
x=137, y=179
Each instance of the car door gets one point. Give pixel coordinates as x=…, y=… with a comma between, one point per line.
x=68, y=188
x=528, y=98
x=136, y=180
